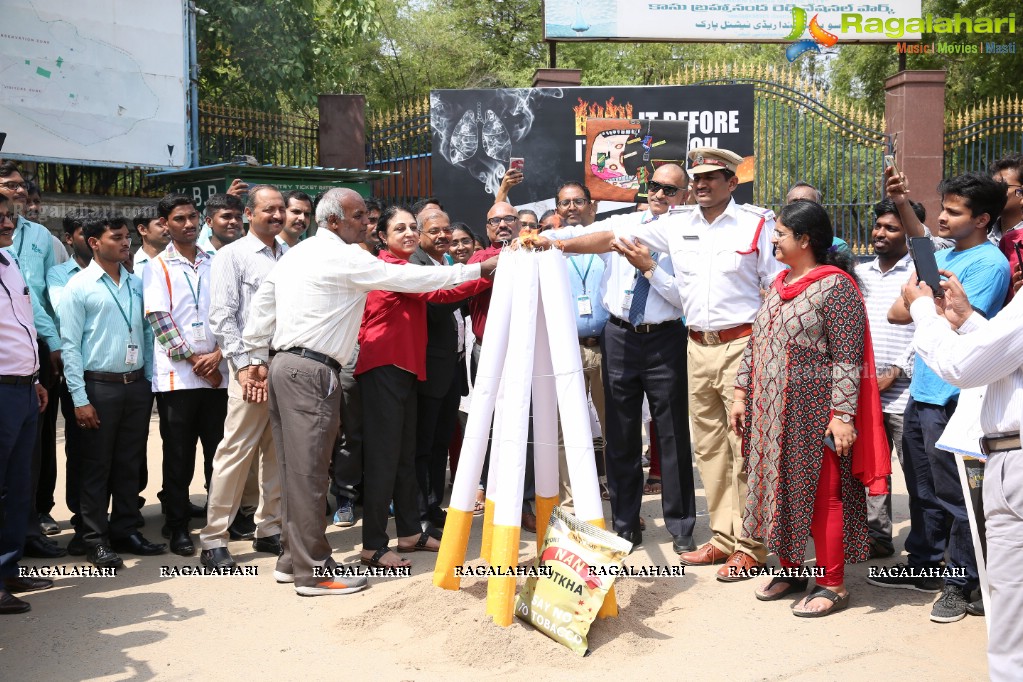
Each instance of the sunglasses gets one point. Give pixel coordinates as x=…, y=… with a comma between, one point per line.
x=653, y=188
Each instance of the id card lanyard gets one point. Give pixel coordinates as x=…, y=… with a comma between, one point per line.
x=131, y=355
x=198, y=333
x=583, y=304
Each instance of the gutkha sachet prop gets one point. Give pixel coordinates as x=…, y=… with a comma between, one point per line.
x=583, y=561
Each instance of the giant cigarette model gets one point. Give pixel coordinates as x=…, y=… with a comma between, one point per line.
x=531, y=356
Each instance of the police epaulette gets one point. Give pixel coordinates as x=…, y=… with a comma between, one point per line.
x=758, y=211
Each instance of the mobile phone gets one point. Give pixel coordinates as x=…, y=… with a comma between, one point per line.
x=889, y=160
x=922, y=249
x=3, y=138
x=1019, y=254
x=829, y=442
x=517, y=163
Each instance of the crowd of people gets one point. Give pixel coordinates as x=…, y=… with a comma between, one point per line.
x=272, y=328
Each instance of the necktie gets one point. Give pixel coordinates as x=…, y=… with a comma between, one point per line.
x=641, y=288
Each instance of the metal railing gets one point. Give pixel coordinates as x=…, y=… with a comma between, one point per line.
x=400, y=140
x=283, y=139
x=981, y=134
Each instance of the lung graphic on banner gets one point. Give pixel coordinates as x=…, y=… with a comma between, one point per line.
x=477, y=132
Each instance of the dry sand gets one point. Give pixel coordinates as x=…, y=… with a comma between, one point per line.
x=139, y=626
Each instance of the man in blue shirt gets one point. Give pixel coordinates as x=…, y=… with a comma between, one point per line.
x=108, y=360
x=938, y=517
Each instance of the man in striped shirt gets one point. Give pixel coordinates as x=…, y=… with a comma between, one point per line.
x=881, y=280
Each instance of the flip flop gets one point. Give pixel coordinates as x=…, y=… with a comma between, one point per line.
x=794, y=585
x=652, y=487
x=420, y=545
x=838, y=603
x=374, y=561
x=479, y=507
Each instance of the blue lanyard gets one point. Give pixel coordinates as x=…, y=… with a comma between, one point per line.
x=118, y=302
x=583, y=275
x=195, y=291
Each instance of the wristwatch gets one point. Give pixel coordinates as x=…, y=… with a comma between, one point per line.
x=649, y=274
x=256, y=361
x=847, y=418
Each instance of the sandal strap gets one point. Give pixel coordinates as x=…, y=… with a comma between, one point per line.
x=424, y=538
x=380, y=552
x=824, y=592
x=786, y=580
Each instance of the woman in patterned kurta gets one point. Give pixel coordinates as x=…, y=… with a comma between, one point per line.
x=799, y=382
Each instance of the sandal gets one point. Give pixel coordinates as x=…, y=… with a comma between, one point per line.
x=480, y=505
x=838, y=603
x=420, y=546
x=794, y=585
x=374, y=561
x=652, y=487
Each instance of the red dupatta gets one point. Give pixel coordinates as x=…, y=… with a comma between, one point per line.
x=871, y=456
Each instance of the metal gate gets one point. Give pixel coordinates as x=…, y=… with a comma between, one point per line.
x=978, y=135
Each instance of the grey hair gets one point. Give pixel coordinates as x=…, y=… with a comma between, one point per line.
x=330, y=205
x=426, y=216
x=803, y=183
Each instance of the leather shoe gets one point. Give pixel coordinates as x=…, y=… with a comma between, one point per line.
x=27, y=584
x=706, y=555
x=243, y=527
x=196, y=512
x=76, y=546
x=740, y=566
x=181, y=542
x=682, y=544
x=102, y=556
x=41, y=548
x=48, y=525
x=218, y=557
x=269, y=545
x=633, y=536
x=137, y=544
x=9, y=604
x=529, y=521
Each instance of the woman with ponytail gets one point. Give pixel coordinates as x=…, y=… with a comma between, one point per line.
x=807, y=407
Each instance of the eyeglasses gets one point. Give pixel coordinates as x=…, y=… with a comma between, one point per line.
x=12, y=185
x=781, y=235
x=1018, y=192
x=439, y=230
x=464, y=241
x=653, y=188
x=498, y=219
x=579, y=202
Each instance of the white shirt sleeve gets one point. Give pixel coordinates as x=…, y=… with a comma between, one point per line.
x=262, y=322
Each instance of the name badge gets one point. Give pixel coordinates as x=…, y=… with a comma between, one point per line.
x=198, y=332
x=627, y=303
x=131, y=356
x=583, y=305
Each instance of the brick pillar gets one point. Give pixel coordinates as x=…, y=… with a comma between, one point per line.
x=342, y=131
x=914, y=107
x=557, y=78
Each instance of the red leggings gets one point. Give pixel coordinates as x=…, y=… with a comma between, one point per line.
x=826, y=526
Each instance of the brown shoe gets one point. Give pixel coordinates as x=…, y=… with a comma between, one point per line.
x=707, y=555
x=740, y=566
x=529, y=521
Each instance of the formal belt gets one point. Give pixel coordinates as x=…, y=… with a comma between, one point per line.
x=11, y=379
x=1000, y=442
x=313, y=355
x=590, y=341
x=641, y=328
x=723, y=336
x=114, y=377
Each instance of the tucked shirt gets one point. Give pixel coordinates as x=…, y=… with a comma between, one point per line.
x=393, y=330
x=585, y=274
x=479, y=304
x=984, y=353
x=720, y=267
x=33, y=251
x=57, y=278
x=893, y=343
x=236, y=275
x=98, y=320
x=984, y=273
x=17, y=329
x=174, y=285
x=315, y=297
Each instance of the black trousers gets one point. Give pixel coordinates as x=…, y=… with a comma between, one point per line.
x=48, y=447
x=19, y=415
x=389, y=454
x=109, y=472
x=435, y=423
x=188, y=417
x=73, y=453
x=346, y=463
x=653, y=364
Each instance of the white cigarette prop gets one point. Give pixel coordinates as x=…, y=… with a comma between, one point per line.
x=545, y=428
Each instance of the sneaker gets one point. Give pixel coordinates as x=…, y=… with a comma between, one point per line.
x=951, y=605
x=336, y=586
x=975, y=608
x=903, y=577
x=345, y=514
x=282, y=577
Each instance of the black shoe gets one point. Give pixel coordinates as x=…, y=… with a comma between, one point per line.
x=48, y=525
x=27, y=584
x=9, y=604
x=633, y=536
x=218, y=557
x=165, y=531
x=243, y=527
x=683, y=543
x=77, y=546
x=101, y=556
x=951, y=606
x=41, y=548
x=975, y=608
x=137, y=544
x=196, y=512
x=269, y=545
x=181, y=542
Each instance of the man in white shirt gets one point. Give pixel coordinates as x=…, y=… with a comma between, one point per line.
x=309, y=309
x=986, y=353
x=154, y=235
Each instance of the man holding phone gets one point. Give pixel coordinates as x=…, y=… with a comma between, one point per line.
x=970, y=203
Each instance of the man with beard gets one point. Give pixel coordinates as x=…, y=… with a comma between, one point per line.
x=298, y=214
x=237, y=272
x=224, y=218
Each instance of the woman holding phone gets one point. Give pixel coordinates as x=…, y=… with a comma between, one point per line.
x=807, y=407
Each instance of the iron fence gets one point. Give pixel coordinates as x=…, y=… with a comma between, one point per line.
x=400, y=140
x=977, y=136
x=283, y=139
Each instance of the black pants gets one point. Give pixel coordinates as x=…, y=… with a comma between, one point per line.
x=346, y=463
x=653, y=364
x=109, y=472
x=186, y=418
x=435, y=423
x=48, y=447
x=73, y=453
x=389, y=454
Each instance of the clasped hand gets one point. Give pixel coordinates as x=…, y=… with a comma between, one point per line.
x=254, y=383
